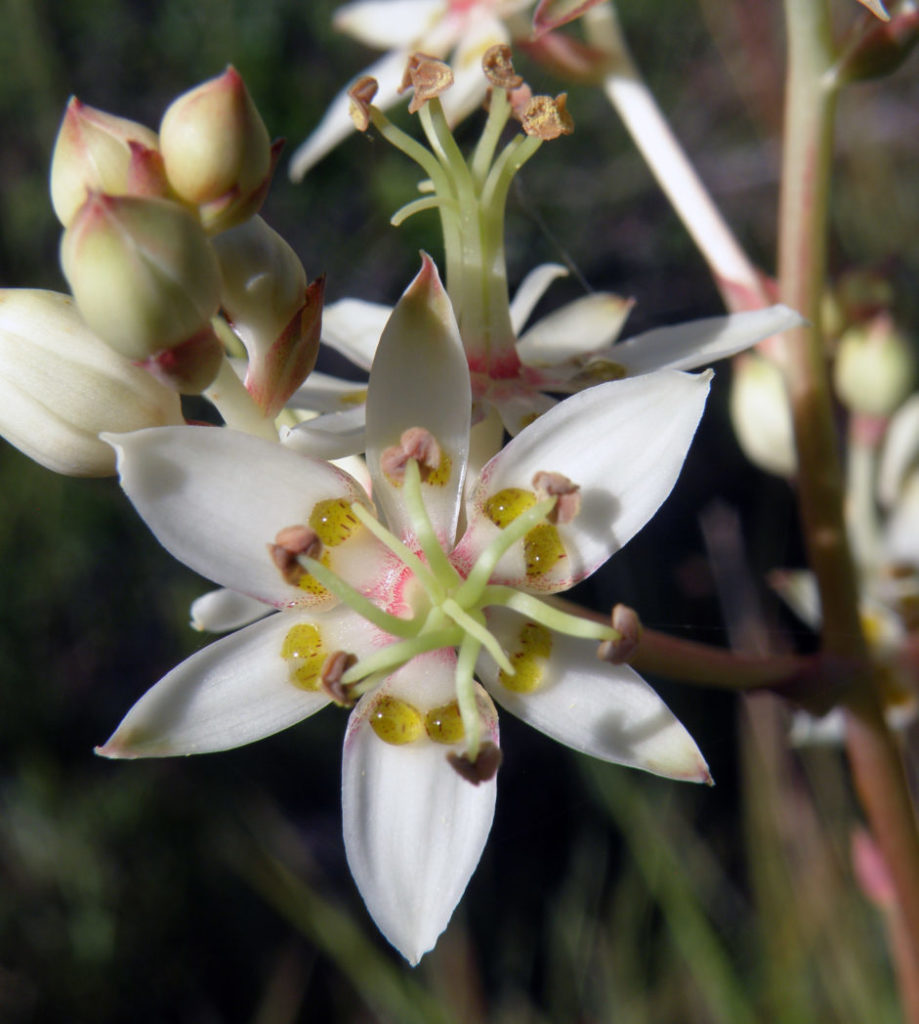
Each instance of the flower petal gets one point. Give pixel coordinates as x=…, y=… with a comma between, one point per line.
x=575, y=330
x=414, y=829
x=337, y=124
x=219, y=611
x=420, y=379
x=700, y=342
x=333, y=436
x=322, y=392
x=606, y=711
x=236, y=691
x=388, y=24
x=901, y=450
x=216, y=499
x=353, y=328
x=531, y=289
x=623, y=443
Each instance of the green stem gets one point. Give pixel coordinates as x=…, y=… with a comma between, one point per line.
x=875, y=760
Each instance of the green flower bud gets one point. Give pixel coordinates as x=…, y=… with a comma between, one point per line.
x=190, y=367
x=142, y=271
x=98, y=152
x=761, y=415
x=60, y=386
x=277, y=316
x=217, y=151
x=875, y=367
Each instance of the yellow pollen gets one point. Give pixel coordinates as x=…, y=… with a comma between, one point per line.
x=543, y=549
x=396, y=721
x=535, y=646
x=503, y=507
x=445, y=724
x=302, y=650
x=334, y=521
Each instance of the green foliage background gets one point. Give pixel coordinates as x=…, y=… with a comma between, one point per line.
x=215, y=889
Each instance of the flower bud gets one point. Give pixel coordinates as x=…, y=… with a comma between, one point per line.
x=60, y=386
x=217, y=152
x=190, y=366
x=874, y=368
x=265, y=296
x=98, y=152
x=142, y=271
x=881, y=49
x=761, y=415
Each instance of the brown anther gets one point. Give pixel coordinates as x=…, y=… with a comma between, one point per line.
x=428, y=76
x=337, y=663
x=289, y=544
x=547, y=118
x=361, y=95
x=416, y=443
x=627, y=624
x=556, y=485
x=483, y=767
x=499, y=69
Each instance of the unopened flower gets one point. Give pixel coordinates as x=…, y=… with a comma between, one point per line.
x=874, y=368
x=761, y=414
x=142, y=271
x=98, y=152
x=217, y=152
x=60, y=386
x=271, y=309
x=381, y=607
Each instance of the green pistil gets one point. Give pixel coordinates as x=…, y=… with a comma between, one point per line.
x=546, y=615
x=475, y=628
x=416, y=206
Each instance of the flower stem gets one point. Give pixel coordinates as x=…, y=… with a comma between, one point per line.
x=876, y=764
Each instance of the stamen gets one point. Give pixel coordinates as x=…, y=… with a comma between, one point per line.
x=547, y=118
x=418, y=569
x=361, y=95
x=628, y=629
x=465, y=696
x=569, y=499
x=363, y=606
x=428, y=76
x=394, y=655
x=289, y=545
x=330, y=681
x=473, y=627
x=545, y=614
x=499, y=68
x=480, y=768
x=471, y=590
x=416, y=443
x=440, y=565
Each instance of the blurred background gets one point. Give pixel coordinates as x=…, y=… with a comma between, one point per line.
x=215, y=889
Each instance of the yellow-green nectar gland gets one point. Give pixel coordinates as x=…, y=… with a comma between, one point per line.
x=543, y=548
x=303, y=651
x=308, y=583
x=534, y=646
x=396, y=721
x=334, y=521
x=445, y=723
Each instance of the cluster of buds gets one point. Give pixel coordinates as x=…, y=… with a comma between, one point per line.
x=168, y=264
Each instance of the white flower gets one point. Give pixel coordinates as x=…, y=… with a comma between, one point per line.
x=464, y=29
x=399, y=617
x=567, y=350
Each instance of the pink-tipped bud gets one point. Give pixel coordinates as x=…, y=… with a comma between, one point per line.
x=217, y=151
x=142, y=271
x=190, y=366
x=277, y=315
x=98, y=152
